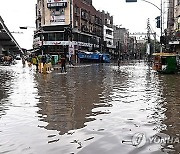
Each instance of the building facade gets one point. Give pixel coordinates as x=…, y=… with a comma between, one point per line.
x=173, y=25
x=120, y=39
x=108, y=33
x=67, y=26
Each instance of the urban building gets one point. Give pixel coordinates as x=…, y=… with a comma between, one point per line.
x=170, y=16
x=173, y=25
x=108, y=33
x=52, y=17
x=119, y=39
x=67, y=26
x=87, y=25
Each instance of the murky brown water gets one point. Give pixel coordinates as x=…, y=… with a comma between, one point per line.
x=93, y=109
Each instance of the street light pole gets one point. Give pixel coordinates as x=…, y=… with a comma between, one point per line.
x=161, y=14
x=161, y=25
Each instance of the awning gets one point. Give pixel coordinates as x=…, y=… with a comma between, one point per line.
x=174, y=42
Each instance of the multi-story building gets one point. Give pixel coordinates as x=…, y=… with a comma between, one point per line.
x=119, y=39
x=65, y=24
x=87, y=25
x=108, y=32
x=170, y=16
x=173, y=28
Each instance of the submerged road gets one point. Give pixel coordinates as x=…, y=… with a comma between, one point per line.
x=93, y=109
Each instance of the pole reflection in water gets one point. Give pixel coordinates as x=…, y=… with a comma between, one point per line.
x=96, y=108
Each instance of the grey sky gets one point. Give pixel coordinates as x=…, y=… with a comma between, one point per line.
x=132, y=16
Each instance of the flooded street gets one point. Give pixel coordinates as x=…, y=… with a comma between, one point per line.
x=93, y=109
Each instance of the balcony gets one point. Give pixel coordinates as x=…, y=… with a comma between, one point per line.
x=84, y=28
x=177, y=35
x=84, y=17
x=98, y=23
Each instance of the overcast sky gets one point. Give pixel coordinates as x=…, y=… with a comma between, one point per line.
x=132, y=16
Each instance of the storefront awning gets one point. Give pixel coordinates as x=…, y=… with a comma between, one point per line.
x=174, y=42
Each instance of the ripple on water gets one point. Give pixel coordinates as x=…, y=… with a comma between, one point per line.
x=91, y=109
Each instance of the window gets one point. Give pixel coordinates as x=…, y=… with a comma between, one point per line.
x=51, y=36
x=82, y=13
x=76, y=9
x=75, y=23
x=62, y=11
x=58, y=11
x=178, y=2
x=57, y=8
x=59, y=36
x=109, y=32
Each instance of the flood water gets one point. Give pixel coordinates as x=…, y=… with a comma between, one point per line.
x=93, y=109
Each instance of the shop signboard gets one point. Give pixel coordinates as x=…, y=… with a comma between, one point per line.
x=56, y=1
x=54, y=5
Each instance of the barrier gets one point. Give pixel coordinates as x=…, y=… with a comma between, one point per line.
x=45, y=69
x=40, y=67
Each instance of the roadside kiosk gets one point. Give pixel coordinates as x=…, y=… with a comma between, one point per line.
x=165, y=62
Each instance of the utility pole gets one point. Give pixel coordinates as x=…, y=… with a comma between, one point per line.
x=148, y=50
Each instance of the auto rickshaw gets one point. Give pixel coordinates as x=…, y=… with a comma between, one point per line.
x=165, y=62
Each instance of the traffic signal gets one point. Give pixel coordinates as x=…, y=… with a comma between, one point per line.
x=131, y=0
x=158, y=22
x=163, y=39
x=23, y=27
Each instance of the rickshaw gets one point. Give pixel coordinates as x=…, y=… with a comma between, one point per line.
x=165, y=62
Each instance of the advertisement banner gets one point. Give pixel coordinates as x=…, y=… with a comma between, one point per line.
x=57, y=20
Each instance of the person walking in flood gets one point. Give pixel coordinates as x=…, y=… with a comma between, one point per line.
x=63, y=64
x=35, y=61
x=118, y=62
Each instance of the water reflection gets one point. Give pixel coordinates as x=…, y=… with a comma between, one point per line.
x=94, y=108
x=5, y=84
x=171, y=104
x=67, y=100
